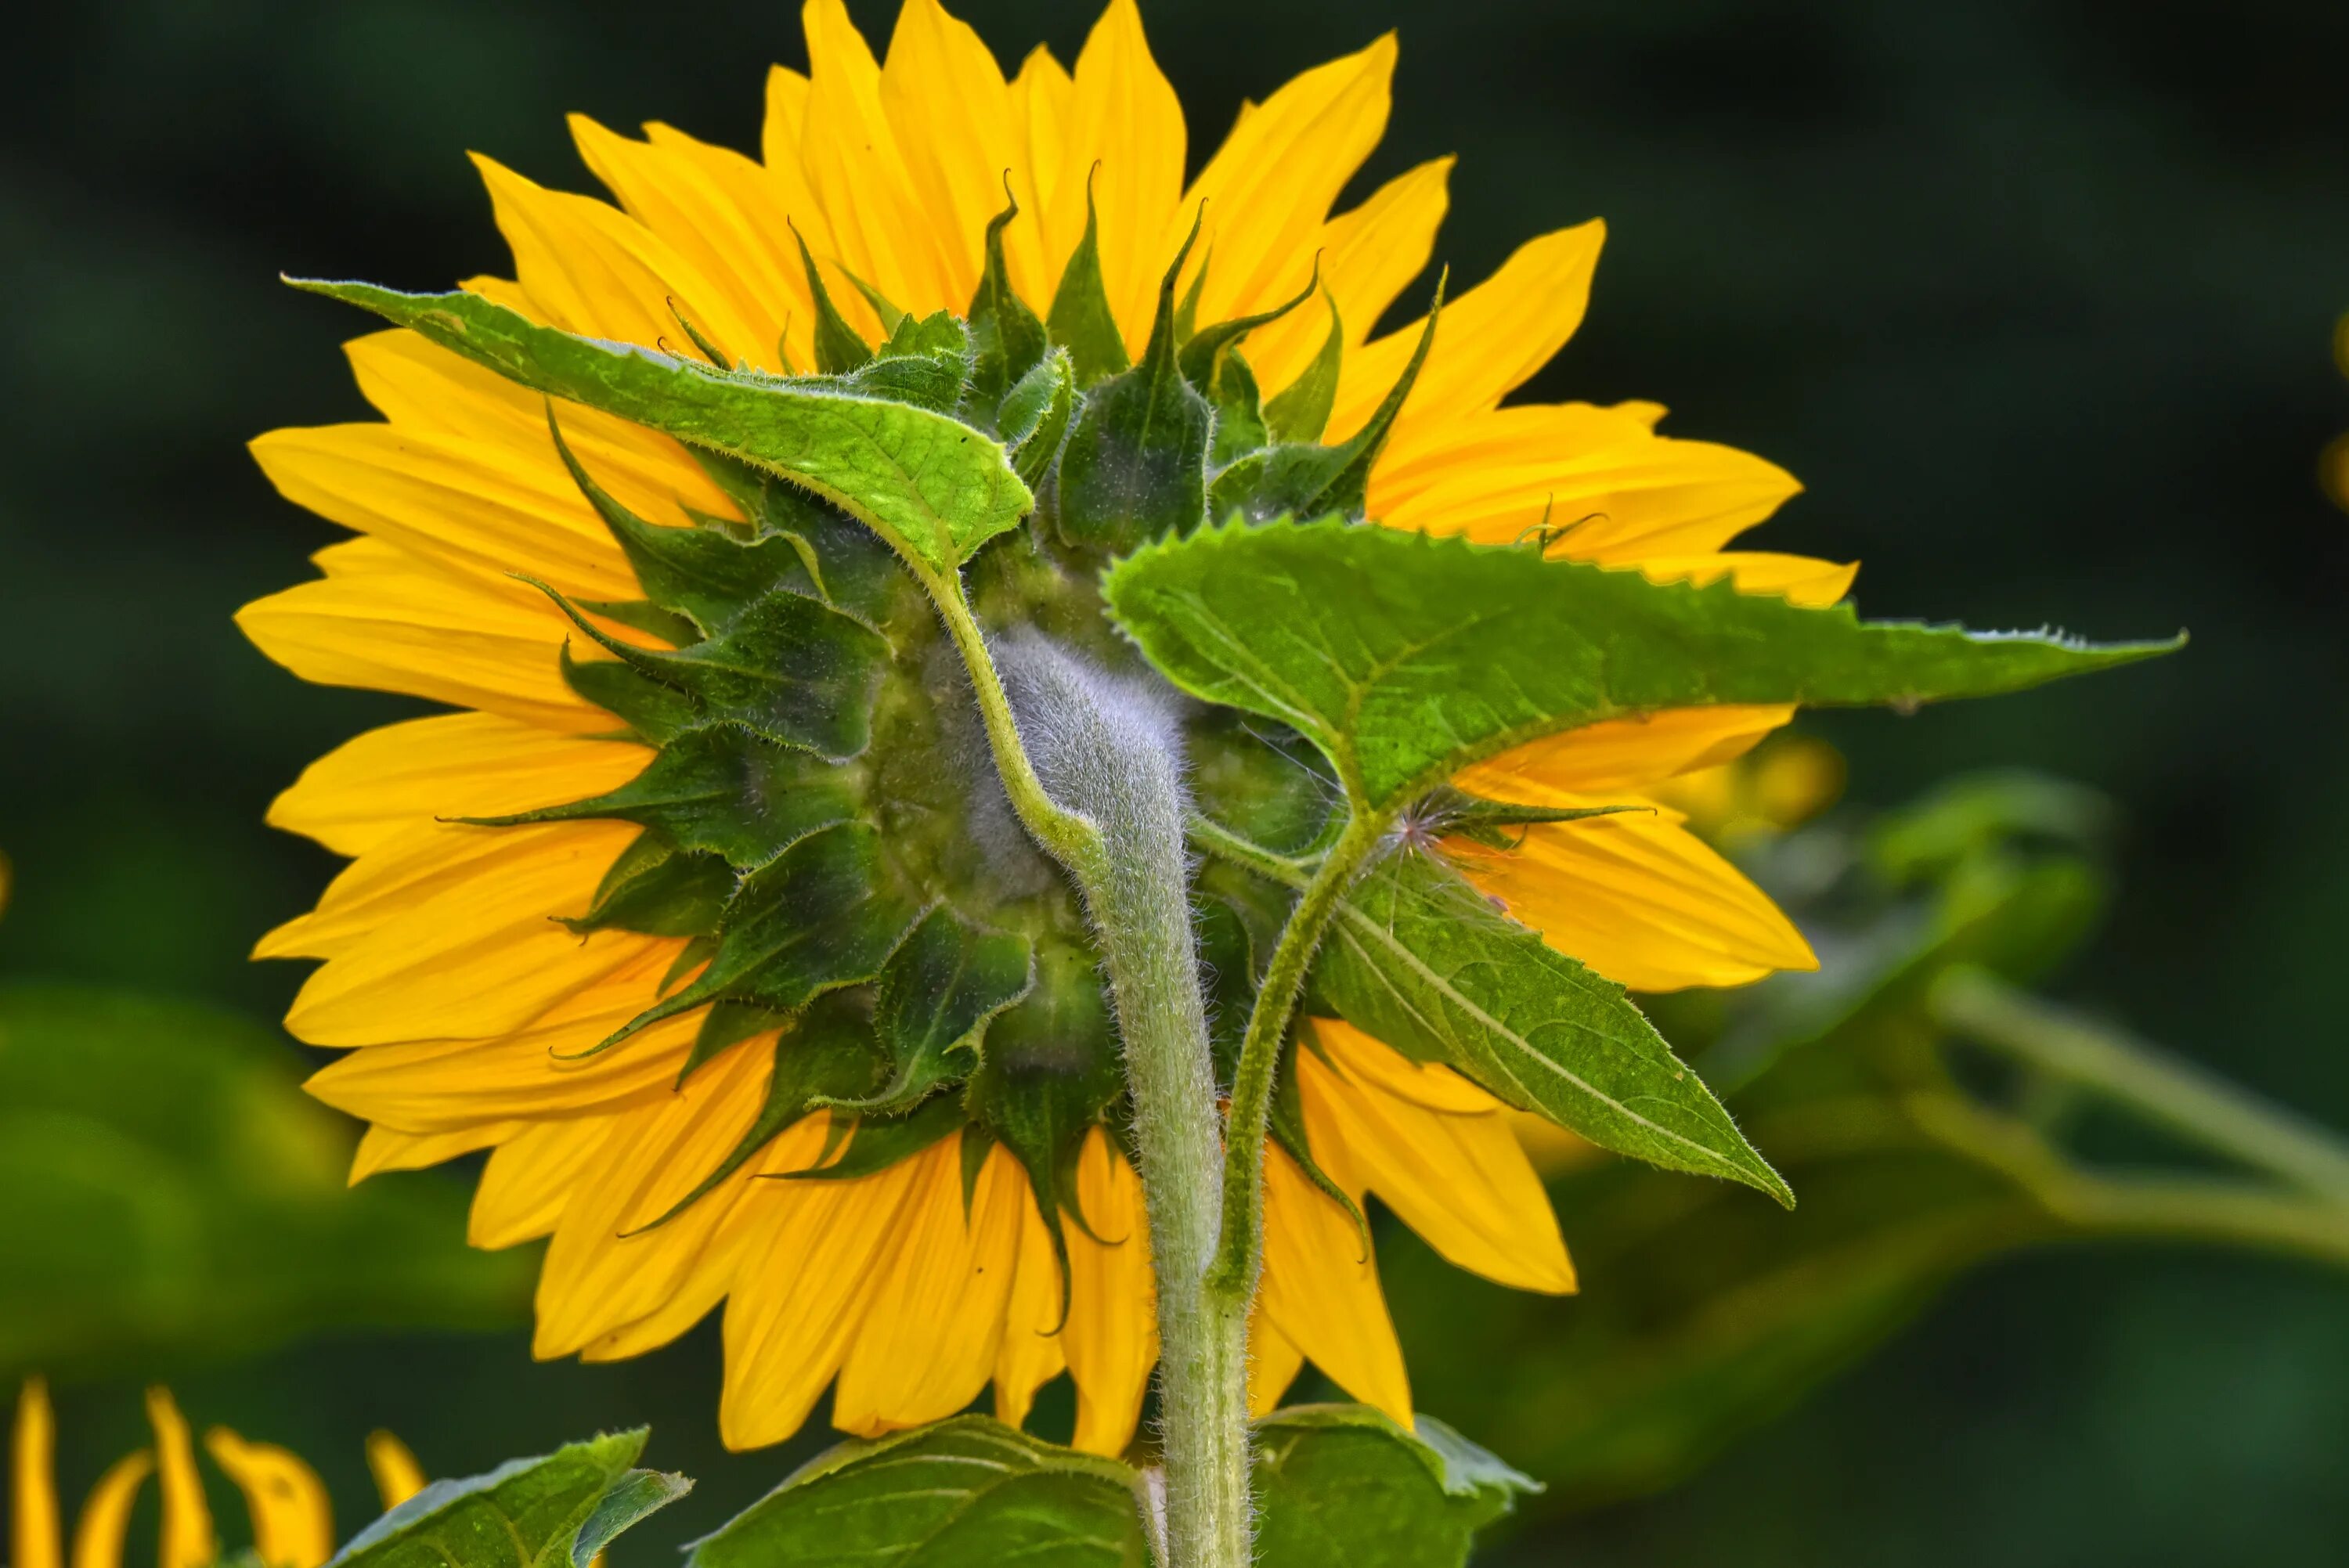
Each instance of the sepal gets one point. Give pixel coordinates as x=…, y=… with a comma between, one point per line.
x=1081, y=320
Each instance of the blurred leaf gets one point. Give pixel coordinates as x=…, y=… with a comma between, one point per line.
x=174, y=1193
x=1406, y=657
x=557, y=1512
x=1342, y=1486
x=969, y=1493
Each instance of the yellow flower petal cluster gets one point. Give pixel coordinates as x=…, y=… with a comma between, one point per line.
x=292, y=1523
x=459, y=1000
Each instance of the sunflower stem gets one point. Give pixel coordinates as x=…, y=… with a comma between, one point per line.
x=1241, y=1252
x=1098, y=764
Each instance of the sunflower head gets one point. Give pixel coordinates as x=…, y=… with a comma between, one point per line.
x=746, y=521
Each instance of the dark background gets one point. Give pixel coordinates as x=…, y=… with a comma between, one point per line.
x=2036, y=297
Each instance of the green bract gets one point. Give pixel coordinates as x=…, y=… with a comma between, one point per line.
x=825, y=816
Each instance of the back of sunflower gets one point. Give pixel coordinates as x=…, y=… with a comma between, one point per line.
x=1010, y=766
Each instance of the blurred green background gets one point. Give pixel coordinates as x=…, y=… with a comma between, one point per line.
x=2035, y=296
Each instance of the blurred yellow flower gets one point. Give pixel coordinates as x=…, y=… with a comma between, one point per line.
x=285, y=1503
x=468, y=1012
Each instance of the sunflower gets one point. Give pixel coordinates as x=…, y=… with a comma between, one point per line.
x=580, y=856
x=292, y=1525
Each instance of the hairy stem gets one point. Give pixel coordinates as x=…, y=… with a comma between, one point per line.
x=1241, y=1252
x=2173, y=1094
x=1102, y=757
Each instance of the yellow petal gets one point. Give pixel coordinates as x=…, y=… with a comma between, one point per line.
x=475, y=503
x=951, y=113
x=1112, y=1337
x=385, y=1149
x=931, y=1338
x=398, y=1476
x=1798, y=578
x=591, y=269
x=35, y=1539
x=383, y=622
x=1624, y=754
x=1042, y=98
x=427, y=860
x=879, y=230
x=1274, y=1362
x=801, y=1297
x=1321, y=1290
x=530, y=1179
x=479, y=960
x=680, y=189
x=1379, y=1068
x=1268, y=188
x=380, y=782
x=1031, y=1355
x=1459, y=1179
x=1124, y=117
x=747, y=1213
x=1616, y=502
x=187, y=1535
x=609, y=1262
x=1368, y=255
x=787, y=98
x=293, y=1522
x=427, y=390
x=1490, y=340
x=106, y=1513
x=1638, y=898
x=434, y=1086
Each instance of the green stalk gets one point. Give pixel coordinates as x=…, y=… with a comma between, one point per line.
x=1108, y=805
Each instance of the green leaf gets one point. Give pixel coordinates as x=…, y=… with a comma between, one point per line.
x=838, y=348
x=822, y=916
x=1035, y=416
x=1418, y=958
x=1080, y=320
x=175, y=1196
x=658, y=890
x=556, y=1511
x=1312, y=481
x=944, y=984
x=1297, y=415
x=1342, y=1486
x=790, y=669
x=1405, y=658
x=934, y=486
x=854, y=570
x=1007, y=339
x=1135, y=467
x=967, y=1492
x=706, y=576
x=719, y=790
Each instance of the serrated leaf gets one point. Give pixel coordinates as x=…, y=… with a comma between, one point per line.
x=932, y=485
x=942, y=986
x=722, y=790
x=790, y=669
x=1416, y=957
x=1342, y=1486
x=1080, y=320
x=1405, y=658
x=556, y=1511
x=824, y=913
x=1298, y=414
x=1007, y=339
x=967, y=1492
x=1135, y=467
